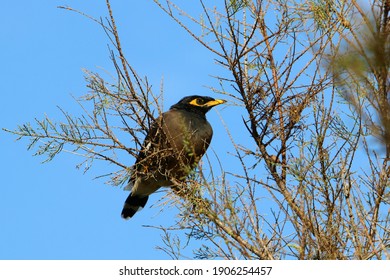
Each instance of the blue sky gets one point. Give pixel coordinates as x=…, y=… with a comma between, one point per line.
x=52, y=210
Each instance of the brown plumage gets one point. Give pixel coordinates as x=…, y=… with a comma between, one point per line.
x=172, y=148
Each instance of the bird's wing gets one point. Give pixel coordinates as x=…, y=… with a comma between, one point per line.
x=151, y=140
x=175, y=140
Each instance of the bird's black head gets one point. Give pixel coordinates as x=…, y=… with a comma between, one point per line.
x=198, y=104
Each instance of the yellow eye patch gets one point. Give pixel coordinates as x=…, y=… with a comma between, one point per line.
x=211, y=103
x=197, y=102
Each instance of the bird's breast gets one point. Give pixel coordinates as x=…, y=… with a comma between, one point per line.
x=188, y=131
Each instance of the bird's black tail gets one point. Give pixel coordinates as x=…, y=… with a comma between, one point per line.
x=132, y=205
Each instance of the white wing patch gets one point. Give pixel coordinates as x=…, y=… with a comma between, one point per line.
x=129, y=186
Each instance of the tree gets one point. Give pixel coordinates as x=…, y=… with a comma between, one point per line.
x=300, y=188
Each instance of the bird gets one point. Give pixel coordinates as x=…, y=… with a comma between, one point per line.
x=172, y=148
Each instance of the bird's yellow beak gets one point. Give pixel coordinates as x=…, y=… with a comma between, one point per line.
x=215, y=102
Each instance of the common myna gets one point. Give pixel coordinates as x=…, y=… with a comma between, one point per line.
x=172, y=148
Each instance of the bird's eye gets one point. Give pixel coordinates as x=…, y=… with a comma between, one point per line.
x=199, y=101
